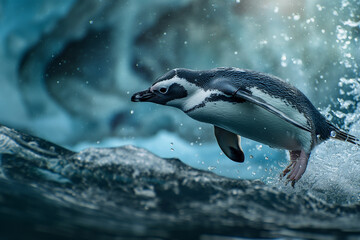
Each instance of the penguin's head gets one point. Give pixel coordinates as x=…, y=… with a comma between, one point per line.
x=171, y=89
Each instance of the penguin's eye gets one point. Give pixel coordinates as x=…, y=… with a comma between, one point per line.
x=163, y=90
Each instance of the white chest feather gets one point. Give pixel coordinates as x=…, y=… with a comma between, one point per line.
x=253, y=122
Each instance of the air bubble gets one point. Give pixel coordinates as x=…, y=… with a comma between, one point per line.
x=333, y=134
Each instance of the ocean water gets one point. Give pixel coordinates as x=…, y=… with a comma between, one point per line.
x=129, y=193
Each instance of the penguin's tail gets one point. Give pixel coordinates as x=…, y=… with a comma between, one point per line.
x=337, y=133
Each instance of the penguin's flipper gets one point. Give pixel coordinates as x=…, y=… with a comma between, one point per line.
x=248, y=96
x=230, y=144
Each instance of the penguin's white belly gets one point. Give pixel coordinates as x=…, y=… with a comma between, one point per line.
x=253, y=122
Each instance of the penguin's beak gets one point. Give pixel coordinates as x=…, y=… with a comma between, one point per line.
x=143, y=96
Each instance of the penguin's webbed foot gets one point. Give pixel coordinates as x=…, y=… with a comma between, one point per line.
x=297, y=166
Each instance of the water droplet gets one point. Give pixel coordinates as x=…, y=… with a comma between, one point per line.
x=191, y=144
x=296, y=17
x=310, y=20
x=210, y=168
x=236, y=52
x=97, y=142
x=341, y=33
x=172, y=144
x=333, y=134
x=259, y=147
x=91, y=21
x=318, y=136
x=237, y=1
x=352, y=23
x=266, y=158
x=132, y=112
x=171, y=149
x=319, y=7
x=200, y=128
x=276, y=9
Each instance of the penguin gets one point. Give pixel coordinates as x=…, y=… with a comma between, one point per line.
x=255, y=105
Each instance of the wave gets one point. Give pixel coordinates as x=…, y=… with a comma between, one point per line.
x=130, y=192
